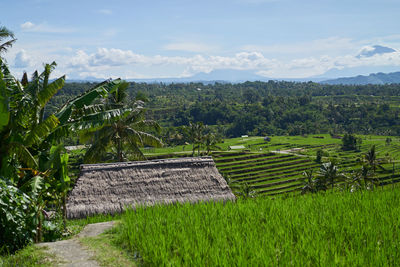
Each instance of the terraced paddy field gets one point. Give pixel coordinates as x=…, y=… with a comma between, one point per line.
x=265, y=173
x=277, y=166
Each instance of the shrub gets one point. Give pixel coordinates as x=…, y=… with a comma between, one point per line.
x=319, y=155
x=17, y=218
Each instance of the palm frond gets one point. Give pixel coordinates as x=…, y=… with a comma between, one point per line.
x=41, y=130
x=50, y=90
x=4, y=110
x=147, y=124
x=97, y=150
x=143, y=138
x=5, y=33
x=33, y=186
x=23, y=154
x=135, y=151
x=107, y=116
x=120, y=93
x=86, y=98
x=6, y=45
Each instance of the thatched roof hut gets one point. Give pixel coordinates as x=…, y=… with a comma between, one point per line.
x=108, y=188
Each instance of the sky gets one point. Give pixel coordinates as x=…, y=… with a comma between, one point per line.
x=181, y=38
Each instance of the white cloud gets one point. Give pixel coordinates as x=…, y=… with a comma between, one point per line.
x=113, y=62
x=110, y=60
x=22, y=59
x=27, y=25
x=107, y=59
x=44, y=27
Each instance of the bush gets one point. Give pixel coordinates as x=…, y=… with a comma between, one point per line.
x=17, y=218
x=351, y=142
x=319, y=155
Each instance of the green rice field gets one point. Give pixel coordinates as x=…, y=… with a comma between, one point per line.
x=277, y=166
x=330, y=229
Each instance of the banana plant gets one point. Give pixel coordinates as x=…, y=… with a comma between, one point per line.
x=60, y=182
x=27, y=158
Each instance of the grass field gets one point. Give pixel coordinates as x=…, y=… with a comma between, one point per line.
x=335, y=228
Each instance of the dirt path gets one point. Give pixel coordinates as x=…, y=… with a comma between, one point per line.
x=71, y=253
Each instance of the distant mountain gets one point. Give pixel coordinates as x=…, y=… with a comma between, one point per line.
x=229, y=75
x=239, y=76
x=374, y=78
x=224, y=75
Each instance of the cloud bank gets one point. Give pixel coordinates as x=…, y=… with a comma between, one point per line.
x=127, y=64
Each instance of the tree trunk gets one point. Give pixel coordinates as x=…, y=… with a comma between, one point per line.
x=64, y=211
x=119, y=150
x=39, y=228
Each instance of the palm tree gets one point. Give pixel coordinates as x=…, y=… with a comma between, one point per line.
x=195, y=131
x=371, y=159
x=129, y=131
x=328, y=174
x=4, y=35
x=210, y=142
x=308, y=182
x=363, y=178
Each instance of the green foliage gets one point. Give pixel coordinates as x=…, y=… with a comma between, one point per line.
x=319, y=154
x=196, y=133
x=345, y=229
x=362, y=179
x=351, y=142
x=6, y=34
x=388, y=141
x=32, y=156
x=17, y=218
x=309, y=182
x=127, y=131
x=278, y=107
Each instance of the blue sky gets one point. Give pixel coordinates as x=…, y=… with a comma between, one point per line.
x=180, y=38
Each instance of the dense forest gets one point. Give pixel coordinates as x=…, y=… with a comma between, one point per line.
x=265, y=108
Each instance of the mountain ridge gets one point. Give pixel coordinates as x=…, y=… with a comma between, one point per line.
x=240, y=76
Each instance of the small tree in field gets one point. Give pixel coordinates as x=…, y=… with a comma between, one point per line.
x=319, y=155
x=350, y=142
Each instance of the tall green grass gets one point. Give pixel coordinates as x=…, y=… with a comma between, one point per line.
x=346, y=229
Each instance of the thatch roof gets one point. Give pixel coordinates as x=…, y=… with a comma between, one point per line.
x=108, y=188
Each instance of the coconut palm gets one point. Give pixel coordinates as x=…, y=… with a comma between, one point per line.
x=126, y=132
x=210, y=142
x=195, y=131
x=371, y=159
x=7, y=36
x=328, y=175
x=308, y=182
x=362, y=178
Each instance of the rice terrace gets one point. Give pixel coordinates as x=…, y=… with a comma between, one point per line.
x=240, y=133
